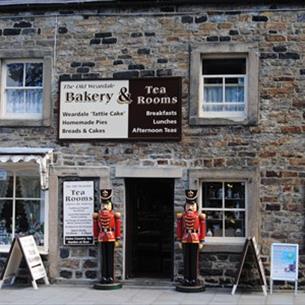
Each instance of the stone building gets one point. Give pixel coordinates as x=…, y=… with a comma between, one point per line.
x=215, y=101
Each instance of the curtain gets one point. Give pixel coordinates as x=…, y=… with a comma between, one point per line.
x=24, y=101
x=234, y=94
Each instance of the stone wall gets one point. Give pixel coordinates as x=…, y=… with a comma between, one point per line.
x=131, y=43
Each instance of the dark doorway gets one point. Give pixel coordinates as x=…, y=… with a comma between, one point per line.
x=149, y=228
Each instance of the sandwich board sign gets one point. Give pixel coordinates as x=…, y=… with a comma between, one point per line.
x=251, y=245
x=24, y=247
x=284, y=264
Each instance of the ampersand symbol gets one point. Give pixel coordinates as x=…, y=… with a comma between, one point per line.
x=124, y=97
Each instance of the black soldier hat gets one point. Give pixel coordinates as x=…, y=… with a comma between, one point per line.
x=106, y=194
x=191, y=196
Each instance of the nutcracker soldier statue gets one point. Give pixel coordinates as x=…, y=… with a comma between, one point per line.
x=191, y=230
x=107, y=232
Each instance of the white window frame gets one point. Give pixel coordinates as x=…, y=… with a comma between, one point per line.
x=44, y=198
x=46, y=56
x=223, y=239
x=223, y=114
x=19, y=116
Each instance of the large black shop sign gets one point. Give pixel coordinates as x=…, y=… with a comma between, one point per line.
x=138, y=109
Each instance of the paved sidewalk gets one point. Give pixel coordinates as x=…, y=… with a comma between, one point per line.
x=84, y=295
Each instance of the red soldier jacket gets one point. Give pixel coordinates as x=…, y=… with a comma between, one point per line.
x=191, y=227
x=106, y=226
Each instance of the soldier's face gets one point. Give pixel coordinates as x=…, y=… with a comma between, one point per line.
x=106, y=205
x=190, y=207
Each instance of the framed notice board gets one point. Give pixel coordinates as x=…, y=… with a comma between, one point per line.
x=284, y=263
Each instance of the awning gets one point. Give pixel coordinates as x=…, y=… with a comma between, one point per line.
x=43, y=157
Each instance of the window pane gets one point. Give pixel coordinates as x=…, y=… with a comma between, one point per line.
x=15, y=101
x=28, y=185
x=6, y=184
x=234, y=91
x=235, y=195
x=14, y=76
x=224, y=66
x=212, y=195
x=33, y=77
x=30, y=220
x=214, y=223
x=6, y=212
x=33, y=99
x=213, y=94
x=235, y=224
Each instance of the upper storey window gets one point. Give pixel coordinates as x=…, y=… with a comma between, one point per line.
x=224, y=84
x=22, y=96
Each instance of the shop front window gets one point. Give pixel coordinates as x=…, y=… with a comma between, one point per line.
x=224, y=204
x=22, y=205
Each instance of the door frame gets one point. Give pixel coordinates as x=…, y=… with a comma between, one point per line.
x=174, y=172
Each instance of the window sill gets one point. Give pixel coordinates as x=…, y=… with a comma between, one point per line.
x=225, y=246
x=222, y=121
x=24, y=123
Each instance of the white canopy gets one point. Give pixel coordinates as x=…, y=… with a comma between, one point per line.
x=42, y=156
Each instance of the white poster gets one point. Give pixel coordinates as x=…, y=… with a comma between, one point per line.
x=78, y=202
x=94, y=109
x=32, y=257
x=284, y=262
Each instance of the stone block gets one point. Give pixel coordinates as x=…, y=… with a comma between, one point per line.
x=280, y=48
x=91, y=274
x=110, y=40
x=143, y=51
x=118, y=62
x=89, y=264
x=150, y=34
x=135, y=35
x=28, y=31
x=147, y=73
x=126, y=74
x=289, y=55
x=136, y=67
x=259, y=18
x=187, y=19
x=201, y=19
x=66, y=274
x=95, y=41
x=164, y=72
x=62, y=30
x=64, y=252
x=82, y=70
x=11, y=32
x=103, y=35
x=212, y=38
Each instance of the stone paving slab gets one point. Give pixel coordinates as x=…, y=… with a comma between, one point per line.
x=79, y=295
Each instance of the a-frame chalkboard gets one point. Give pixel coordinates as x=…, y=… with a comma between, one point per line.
x=251, y=245
x=23, y=247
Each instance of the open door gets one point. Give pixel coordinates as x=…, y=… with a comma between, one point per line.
x=149, y=228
